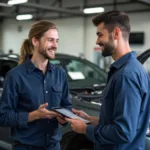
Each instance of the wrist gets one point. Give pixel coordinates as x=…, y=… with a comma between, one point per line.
x=36, y=115
x=33, y=116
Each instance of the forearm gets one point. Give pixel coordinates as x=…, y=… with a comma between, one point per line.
x=109, y=134
x=33, y=116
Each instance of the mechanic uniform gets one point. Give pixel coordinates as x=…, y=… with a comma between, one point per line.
x=25, y=89
x=125, y=110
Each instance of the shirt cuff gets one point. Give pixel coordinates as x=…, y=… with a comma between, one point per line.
x=23, y=119
x=90, y=132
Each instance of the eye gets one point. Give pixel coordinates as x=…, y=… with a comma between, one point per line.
x=50, y=40
x=99, y=35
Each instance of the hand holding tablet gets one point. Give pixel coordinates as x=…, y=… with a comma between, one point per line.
x=68, y=113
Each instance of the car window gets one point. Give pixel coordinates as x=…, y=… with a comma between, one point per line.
x=78, y=70
x=81, y=70
x=5, y=66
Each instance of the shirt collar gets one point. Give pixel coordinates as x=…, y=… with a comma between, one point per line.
x=120, y=62
x=31, y=67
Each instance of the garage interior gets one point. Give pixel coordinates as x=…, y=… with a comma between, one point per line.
x=77, y=33
x=69, y=15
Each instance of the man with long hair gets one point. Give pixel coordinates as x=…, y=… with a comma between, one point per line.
x=32, y=89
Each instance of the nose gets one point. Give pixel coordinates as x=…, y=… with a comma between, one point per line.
x=55, y=44
x=97, y=41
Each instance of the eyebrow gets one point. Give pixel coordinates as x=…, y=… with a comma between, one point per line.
x=52, y=38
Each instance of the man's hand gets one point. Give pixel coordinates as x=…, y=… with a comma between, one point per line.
x=61, y=119
x=81, y=113
x=93, y=120
x=41, y=113
x=77, y=125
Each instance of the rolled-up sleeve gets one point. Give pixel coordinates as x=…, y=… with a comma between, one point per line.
x=8, y=104
x=127, y=96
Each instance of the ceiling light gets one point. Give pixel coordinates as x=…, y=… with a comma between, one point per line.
x=24, y=17
x=13, y=2
x=93, y=10
x=5, y=5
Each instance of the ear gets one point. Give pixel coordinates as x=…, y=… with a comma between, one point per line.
x=116, y=33
x=35, y=41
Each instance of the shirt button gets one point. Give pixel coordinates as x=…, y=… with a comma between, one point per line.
x=46, y=92
x=44, y=81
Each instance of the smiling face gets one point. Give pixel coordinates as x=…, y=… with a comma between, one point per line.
x=48, y=43
x=105, y=40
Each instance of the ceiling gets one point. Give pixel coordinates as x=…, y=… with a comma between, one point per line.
x=47, y=9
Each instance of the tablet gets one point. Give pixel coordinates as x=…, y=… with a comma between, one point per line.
x=68, y=113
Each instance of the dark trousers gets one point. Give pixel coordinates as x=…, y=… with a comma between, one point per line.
x=27, y=147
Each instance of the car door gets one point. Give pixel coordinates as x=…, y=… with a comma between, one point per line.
x=5, y=66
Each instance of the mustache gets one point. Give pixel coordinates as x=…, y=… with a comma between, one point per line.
x=101, y=44
x=52, y=48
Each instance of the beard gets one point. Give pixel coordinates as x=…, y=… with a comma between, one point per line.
x=109, y=47
x=45, y=54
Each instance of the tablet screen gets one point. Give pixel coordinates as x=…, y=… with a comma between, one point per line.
x=68, y=113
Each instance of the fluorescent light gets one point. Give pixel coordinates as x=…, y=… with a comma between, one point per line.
x=5, y=5
x=24, y=17
x=13, y=2
x=93, y=10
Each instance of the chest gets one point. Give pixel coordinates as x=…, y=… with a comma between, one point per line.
x=108, y=102
x=36, y=89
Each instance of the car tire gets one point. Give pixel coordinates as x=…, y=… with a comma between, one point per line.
x=74, y=141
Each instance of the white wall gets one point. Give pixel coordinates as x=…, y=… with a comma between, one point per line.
x=141, y=22
x=77, y=35
x=70, y=32
x=13, y=34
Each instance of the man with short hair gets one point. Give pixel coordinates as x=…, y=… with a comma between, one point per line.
x=125, y=110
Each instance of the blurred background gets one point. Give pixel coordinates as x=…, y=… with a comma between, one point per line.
x=74, y=21
x=77, y=37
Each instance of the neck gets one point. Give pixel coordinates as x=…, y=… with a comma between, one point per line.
x=121, y=50
x=40, y=62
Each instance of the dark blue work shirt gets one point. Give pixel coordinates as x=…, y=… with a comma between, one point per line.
x=125, y=110
x=25, y=89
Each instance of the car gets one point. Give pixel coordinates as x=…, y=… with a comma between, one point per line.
x=86, y=82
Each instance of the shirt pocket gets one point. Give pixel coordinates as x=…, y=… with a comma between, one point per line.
x=57, y=89
x=57, y=95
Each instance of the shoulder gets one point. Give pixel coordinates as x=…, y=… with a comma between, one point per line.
x=133, y=71
x=14, y=72
x=131, y=68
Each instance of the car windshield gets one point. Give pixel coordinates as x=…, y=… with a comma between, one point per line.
x=81, y=72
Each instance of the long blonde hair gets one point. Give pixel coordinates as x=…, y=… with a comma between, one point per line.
x=37, y=30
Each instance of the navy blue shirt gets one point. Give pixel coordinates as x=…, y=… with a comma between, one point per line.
x=125, y=110
x=25, y=89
